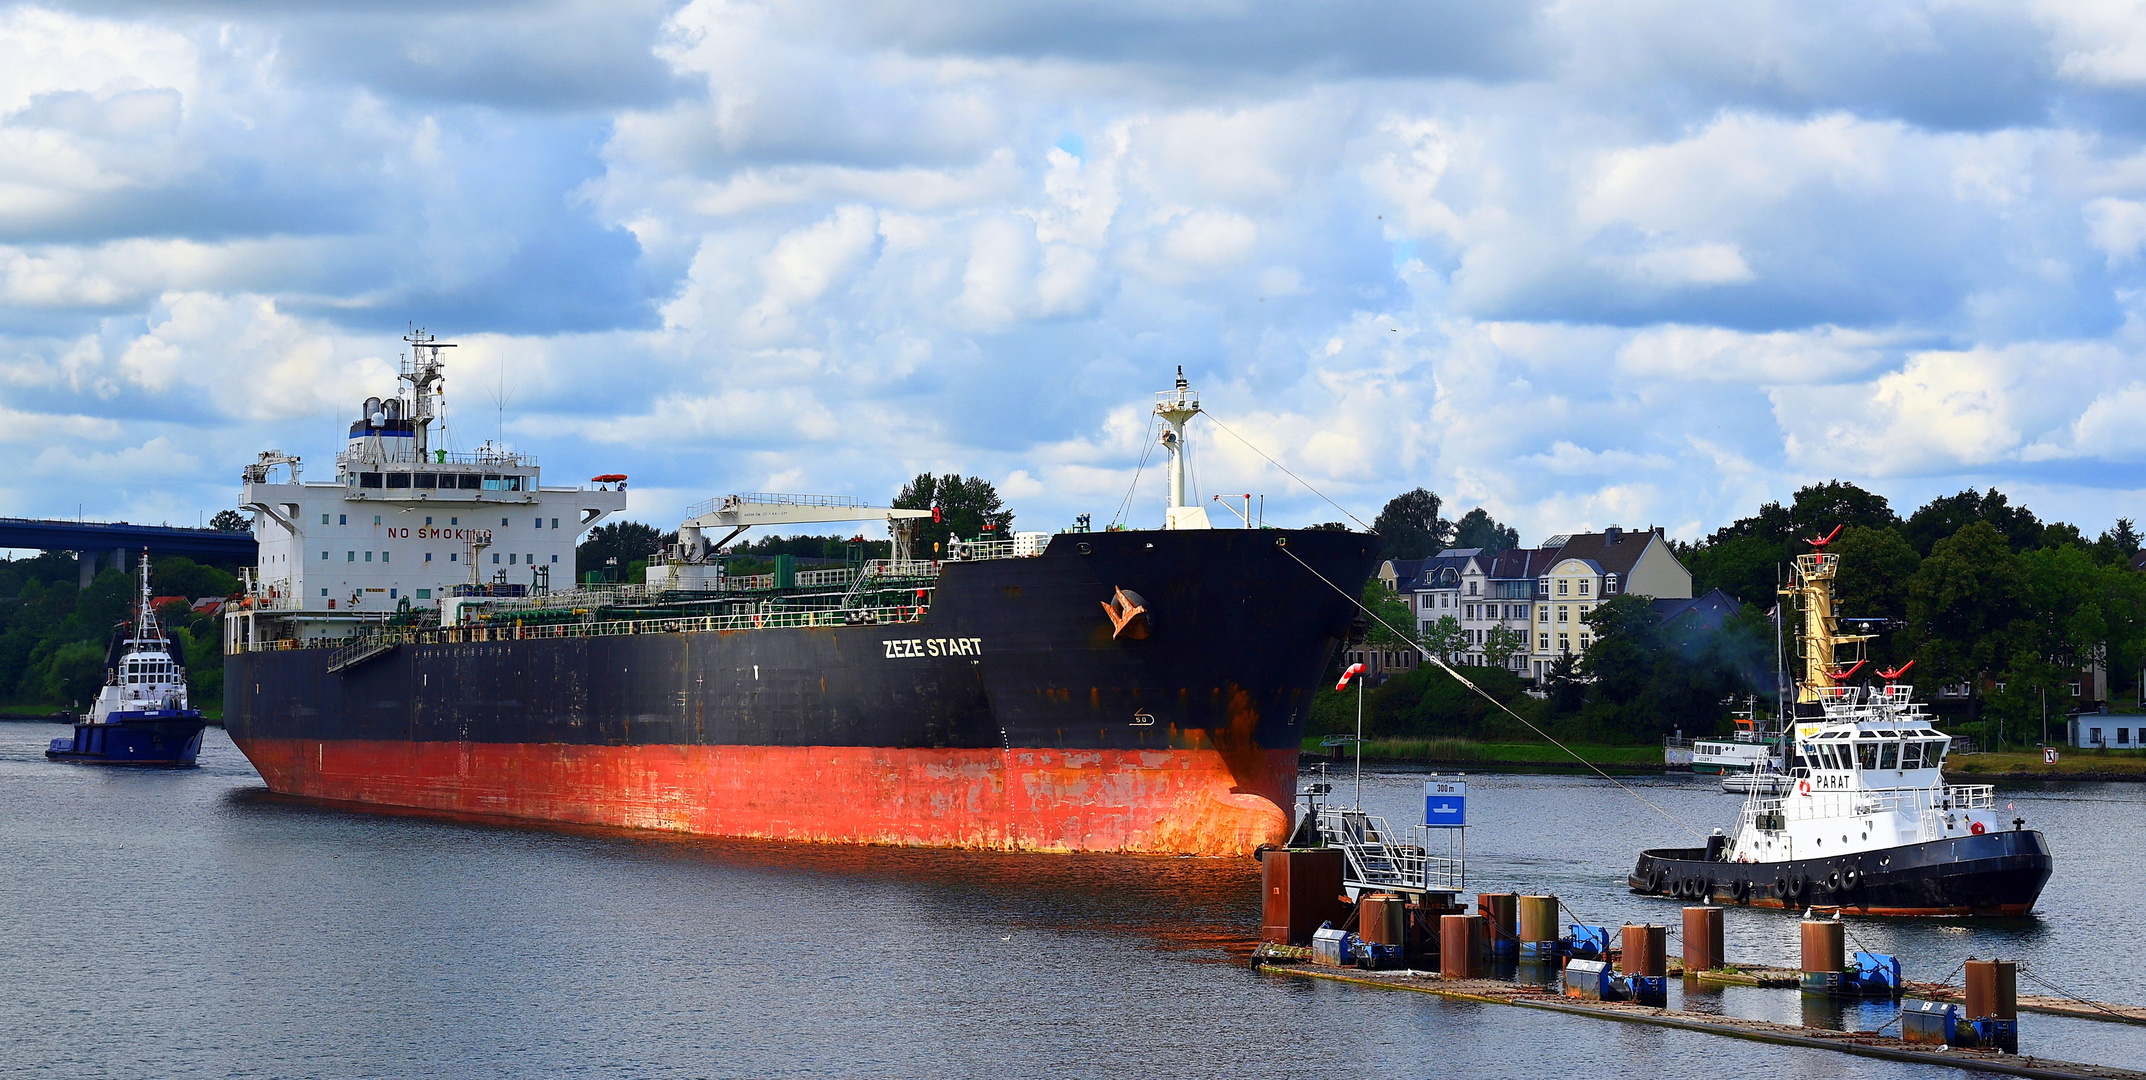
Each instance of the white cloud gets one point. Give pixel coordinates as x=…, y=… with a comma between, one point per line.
x=1612, y=261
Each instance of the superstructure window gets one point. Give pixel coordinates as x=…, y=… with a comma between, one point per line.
x=324, y=556
x=1866, y=754
x=512, y=483
x=555, y=523
x=425, y=480
x=342, y=519
x=1888, y=755
x=398, y=479
x=540, y=523
x=1911, y=754
x=369, y=480
x=468, y=482
x=491, y=483
x=368, y=556
x=350, y=556
x=324, y=519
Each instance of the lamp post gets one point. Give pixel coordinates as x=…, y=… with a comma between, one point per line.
x=1353, y=671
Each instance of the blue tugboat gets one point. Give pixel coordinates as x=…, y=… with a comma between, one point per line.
x=140, y=716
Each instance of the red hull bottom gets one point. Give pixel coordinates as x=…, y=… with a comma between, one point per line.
x=1190, y=802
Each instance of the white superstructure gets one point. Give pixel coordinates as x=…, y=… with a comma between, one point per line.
x=1869, y=777
x=146, y=676
x=404, y=522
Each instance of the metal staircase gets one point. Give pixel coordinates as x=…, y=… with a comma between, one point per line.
x=359, y=651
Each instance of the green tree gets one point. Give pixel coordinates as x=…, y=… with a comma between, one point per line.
x=1410, y=527
x=1944, y=516
x=1445, y=639
x=176, y=575
x=1963, y=603
x=1876, y=566
x=626, y=541
x=1500, y=645
x=1745, y=558
x=230, y=521
x=70, y=674
x=2118, y=544
x=1476, y=529
x=968, y=507
x=1390, y=610
x=1748, y=568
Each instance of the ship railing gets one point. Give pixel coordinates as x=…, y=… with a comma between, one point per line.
x=1971, y=796
x=978, y=550
x=386, y=456
x=772, y=498
x=885, y=572
x=819, y=579
x=751, y=582
x=503, y=630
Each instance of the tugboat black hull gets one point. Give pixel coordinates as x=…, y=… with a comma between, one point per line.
x=168, y=738
x=1996, y=873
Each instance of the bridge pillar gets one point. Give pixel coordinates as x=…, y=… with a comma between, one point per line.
x=88, y=562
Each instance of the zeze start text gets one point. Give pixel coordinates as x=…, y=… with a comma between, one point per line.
x=937, y=646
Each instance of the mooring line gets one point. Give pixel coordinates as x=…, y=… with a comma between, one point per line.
x=1433, y=658
x=1307, y=484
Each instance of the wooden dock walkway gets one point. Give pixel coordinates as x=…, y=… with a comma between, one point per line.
x=1860, y=1043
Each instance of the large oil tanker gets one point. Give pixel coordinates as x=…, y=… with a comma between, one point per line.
x=1084, y=691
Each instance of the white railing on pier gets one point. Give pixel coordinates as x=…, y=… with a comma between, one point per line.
x=1376, y=857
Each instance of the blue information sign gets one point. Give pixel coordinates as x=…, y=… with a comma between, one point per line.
x=1445, y=803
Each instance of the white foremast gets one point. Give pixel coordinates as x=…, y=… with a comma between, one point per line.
x=1175, y=407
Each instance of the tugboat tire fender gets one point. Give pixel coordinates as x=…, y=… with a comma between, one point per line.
x=1850, y=878
x=1741, y=890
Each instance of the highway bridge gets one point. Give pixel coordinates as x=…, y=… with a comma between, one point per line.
x=108, y=543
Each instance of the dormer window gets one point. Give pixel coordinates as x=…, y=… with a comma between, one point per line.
x=1474, y=587
x=1609, y=584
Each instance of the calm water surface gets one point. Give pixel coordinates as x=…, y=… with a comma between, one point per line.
x=190, y=924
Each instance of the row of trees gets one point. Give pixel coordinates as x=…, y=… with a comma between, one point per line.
x=53, y=634
x=1976, y=590
x=1410, y=527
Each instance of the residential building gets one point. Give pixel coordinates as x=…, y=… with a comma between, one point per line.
x=1589, y=568
x=1543, y=593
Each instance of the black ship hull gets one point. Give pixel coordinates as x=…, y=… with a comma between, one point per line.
x=1014, y=712
x=1996, y=873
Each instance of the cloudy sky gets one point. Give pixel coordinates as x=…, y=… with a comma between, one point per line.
x=1583, y=263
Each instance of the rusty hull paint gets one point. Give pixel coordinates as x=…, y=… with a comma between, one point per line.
x=1158, y=801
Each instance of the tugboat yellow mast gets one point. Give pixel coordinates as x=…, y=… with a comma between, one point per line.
x=1811, y=587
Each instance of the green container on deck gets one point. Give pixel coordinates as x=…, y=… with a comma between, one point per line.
x=785, y=571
